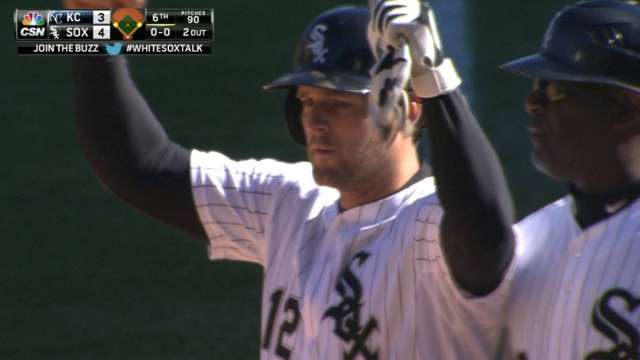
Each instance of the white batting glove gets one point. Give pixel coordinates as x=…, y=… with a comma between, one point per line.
x=398, y=22
x=388, y=99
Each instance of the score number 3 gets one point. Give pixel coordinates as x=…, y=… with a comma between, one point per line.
x=288, y=326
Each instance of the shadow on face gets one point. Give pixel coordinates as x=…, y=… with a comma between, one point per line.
x=343, y=145
x=572, y=128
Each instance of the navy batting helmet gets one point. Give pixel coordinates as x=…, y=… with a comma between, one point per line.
x=592, y=41
x=333, y=53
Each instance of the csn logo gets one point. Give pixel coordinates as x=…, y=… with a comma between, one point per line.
x=32, y=32
x=32, y=25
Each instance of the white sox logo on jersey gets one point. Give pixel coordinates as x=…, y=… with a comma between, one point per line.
x=317, y=44
x=347, y=313
x=615, y=327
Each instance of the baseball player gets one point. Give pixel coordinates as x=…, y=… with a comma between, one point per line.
x=576, y=292
x=361, y=259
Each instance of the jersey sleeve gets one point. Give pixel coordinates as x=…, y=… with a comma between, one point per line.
x=235, y=200
x=478, y=316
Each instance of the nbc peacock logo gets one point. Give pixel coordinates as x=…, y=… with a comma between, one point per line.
x=32, y=18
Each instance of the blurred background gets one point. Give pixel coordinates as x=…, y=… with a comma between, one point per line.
x=83, y=276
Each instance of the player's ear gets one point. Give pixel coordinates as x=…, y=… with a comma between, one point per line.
x=415, y=108
x=627, y=113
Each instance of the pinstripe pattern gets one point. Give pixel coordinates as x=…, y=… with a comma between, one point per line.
x=567, y=276
x=385, y=255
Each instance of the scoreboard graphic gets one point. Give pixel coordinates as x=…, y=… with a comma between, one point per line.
x=124, y=31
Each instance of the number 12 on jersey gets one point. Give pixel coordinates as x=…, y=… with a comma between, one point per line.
x=291, y=318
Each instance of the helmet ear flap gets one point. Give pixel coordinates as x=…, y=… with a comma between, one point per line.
x=293, y=111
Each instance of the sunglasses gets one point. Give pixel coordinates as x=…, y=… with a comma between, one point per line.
x=552, y=90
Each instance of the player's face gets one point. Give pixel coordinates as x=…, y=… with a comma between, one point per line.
x=570, y=129
x=344, y=147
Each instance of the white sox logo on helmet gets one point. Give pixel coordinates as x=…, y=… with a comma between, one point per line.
x=317, y=44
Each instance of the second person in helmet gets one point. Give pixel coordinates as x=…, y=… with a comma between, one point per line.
x=576, y=292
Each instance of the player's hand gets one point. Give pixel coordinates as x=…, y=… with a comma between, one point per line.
x=399, y=22
x=392, y=22
x=103, y=4
x=388, y=99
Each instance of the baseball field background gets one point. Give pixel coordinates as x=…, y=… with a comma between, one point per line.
x=83, y=276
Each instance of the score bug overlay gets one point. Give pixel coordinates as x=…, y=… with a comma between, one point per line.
x=123, y=31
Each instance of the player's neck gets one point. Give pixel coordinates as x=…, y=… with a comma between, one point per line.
x=610, y=178
x=600, y=194
x=388, y=180
x=589, y=209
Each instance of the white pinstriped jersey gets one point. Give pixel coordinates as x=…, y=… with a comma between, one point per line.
x=366, y=283
x=575, y=293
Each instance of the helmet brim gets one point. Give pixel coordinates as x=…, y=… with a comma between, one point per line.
x=331, y=79
x=545, y=67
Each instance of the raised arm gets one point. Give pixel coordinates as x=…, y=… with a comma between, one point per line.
x=125, y=144
x=476, y=235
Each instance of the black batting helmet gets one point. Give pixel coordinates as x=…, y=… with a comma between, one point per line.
x=333, y=53
x=594, y=41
